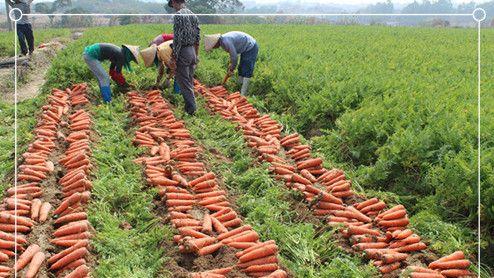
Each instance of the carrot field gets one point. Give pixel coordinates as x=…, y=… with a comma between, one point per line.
x=354, y=155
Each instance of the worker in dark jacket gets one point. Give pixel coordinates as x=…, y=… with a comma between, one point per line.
x=236, y=43
x=187, y=36
x=119, y=57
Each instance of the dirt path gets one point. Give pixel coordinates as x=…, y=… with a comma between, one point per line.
x=31, y=75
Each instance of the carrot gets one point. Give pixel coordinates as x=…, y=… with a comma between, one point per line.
x=61, y=254
x=233, y=232
x=421, y=269
x=261, y=252
x=458, y=255
x=80, y=272
x=425, y=275
x=369, y=245
x=456, y=272
x=389, y=267
x=261, y=268
x=354, y=230
x=43, y=212
x=209, y=249
x=412, y=247
x=72, y=256
x=241, y=245
x=365, y=203
x=218, y=226
x=280, y=273
x=35, y=264
x=198, y=243
x=402, y=234
x=71, y=218
x=247, y=236
x=395, y=208
x=402, y=222
x=394, y=257
x=461, y=264
x=12, y=219
x=35, y=206
x=71, y=229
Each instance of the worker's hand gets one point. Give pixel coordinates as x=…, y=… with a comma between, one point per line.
x=173, y=65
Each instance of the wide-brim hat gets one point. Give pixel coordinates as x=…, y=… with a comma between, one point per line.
x=134, y=49
x=148, y=55
x=210, y=41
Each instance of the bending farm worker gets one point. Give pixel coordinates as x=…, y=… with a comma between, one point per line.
x=161, y=39
x=24, y=26
x=237, y=43
x=187, y=36
x=119, y=57
x=160, y=56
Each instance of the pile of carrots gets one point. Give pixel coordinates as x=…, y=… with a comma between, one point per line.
x=24, y=206
x=197, y=206
x=71, y=227
x=380, y=233
x=454, y=265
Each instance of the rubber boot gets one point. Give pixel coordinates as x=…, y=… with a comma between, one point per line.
x=245, y=86
x=106, y=93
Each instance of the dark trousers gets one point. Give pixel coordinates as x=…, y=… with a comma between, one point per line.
x=25, y=33
x=184, y=75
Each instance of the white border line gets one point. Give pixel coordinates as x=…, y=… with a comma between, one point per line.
x=479, y=22
x=15, y=147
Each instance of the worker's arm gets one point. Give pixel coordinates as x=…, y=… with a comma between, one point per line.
x=161, y=71
x=228, y=46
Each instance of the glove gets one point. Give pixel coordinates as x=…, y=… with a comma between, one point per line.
x=106, y=93
x=118, y=77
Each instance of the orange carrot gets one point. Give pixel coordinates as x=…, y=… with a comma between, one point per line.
x=218, y=226
x=209, y=249
x=264, y=251
x=389, y=267
x=456, y=272
x=461, y=264
x=393, y=257
x=79, y=272
x=43, y=212
x=412, y=247
x=261, y=268
x=72, y=256
x=26, y=257
x=35, y=264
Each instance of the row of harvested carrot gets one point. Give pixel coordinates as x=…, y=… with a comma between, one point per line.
x=23, y=208
x=380, y=233
x=72, y=229
x=197, y=206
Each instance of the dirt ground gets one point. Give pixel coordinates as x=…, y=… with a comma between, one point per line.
x=31, y=74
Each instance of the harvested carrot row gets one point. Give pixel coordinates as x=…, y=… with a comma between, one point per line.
x=184, y=185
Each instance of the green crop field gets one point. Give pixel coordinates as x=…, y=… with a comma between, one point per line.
x=394, y=107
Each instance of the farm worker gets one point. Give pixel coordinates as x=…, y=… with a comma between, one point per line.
x=118, y=56
x=161, y=56
x=187, y=36
x=24, y=27
x=236, y=43
x=161, y=39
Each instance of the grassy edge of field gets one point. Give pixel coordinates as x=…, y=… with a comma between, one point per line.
x=263, y=202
